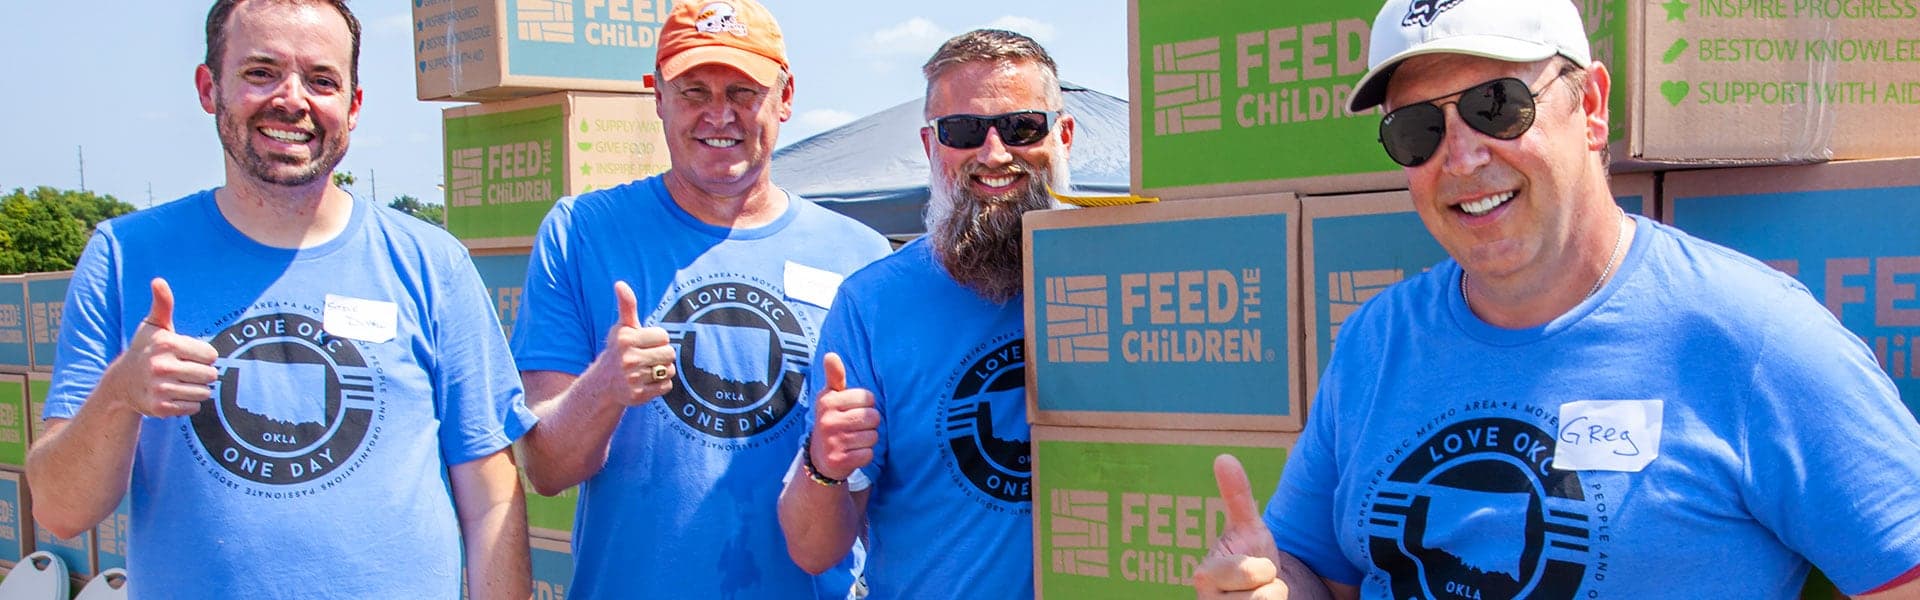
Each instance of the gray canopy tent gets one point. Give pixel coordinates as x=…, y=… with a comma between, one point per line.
x=875, y=171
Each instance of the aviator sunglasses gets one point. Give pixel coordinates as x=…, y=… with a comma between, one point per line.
x=1502, y=109
x=1018, y=128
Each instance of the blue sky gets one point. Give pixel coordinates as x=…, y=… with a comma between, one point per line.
x=117, y=79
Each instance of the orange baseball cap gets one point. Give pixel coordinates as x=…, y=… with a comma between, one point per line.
x=736, y=33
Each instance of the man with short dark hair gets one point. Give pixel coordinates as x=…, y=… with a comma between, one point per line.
x=304, y=394
x=1578, y=403
x=920, y=425
x=666, y=328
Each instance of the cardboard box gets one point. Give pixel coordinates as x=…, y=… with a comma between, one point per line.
x=551, y=517
x=110, y=537
x=16, y=354
x=46, y=297
x=504, y=272
x=16, y=521
x=484, y=50
x=1355, y=246
x=38, y=385
x=76, y=552
x=1130, y=513
x=552, y=568
x=507, y=162
x=1844, y=229
x=1247, y=96
x=1760, y=82
x=1177, y=315
x=13, y=422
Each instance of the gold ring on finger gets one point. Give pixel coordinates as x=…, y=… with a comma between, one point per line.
x=659, y=372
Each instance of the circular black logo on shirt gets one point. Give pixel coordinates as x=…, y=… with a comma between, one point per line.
x=1477, y=511
x=741, y=355
x=985, y=424
x=291, y=404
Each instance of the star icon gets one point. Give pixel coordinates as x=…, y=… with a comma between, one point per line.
x=1676, y=10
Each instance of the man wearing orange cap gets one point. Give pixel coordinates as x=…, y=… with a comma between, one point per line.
x=668, y=324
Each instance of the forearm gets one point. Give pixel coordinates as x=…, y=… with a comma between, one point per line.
x=576, y=426
x=493, y=528
x=820, y=522
x=80, y=468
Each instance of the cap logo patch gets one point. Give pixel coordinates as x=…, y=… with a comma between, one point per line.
x=717, y=17
x=1423, y=12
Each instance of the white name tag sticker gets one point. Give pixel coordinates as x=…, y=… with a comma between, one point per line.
x=359, y=319
x=811, y=285
x=1608, y=435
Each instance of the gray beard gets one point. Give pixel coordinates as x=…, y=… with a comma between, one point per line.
x=977, y=238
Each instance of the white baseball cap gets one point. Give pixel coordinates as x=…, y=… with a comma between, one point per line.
x=1511, y=30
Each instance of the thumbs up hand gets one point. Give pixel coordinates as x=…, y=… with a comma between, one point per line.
x=638, y=362
x=171, y=372
x=846, y=426
x=1243, y=563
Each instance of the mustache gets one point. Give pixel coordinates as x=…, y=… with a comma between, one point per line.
x=977, y=236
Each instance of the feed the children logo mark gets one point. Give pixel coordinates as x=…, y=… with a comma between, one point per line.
x=984, y=426
x=292, y=403
x=740, y=355
x=1476, y=510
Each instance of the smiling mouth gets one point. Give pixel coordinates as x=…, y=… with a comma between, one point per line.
x=997, y=181
x=291, y=137
x=719, y=142
x=1485, y=205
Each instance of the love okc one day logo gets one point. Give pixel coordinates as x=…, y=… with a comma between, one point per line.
x=741, y=355
x=292, y=403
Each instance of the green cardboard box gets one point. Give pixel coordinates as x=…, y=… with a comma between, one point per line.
x=507, y=162
x=551, y=517
x=37, y=386
x=1130, y=513
x=13, y=422
x=483, y=50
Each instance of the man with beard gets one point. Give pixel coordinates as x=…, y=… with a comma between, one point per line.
x=667, y=324
x=302, y=393
x=920, y=426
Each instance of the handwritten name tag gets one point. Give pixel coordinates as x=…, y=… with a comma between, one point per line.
x=1608, y=435
x=358, y=319
x=812, y=285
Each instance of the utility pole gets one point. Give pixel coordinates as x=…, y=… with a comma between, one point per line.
x=82, y=152
x=373, y=179
x=149, y=194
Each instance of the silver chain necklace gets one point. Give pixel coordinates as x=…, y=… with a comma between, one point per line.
x=1612, y=257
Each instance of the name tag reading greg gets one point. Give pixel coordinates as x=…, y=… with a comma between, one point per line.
x=358, y=319
x=1608, y=435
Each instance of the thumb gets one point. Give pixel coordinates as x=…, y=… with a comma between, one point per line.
x=836, y=373
x=161, y=314
x=629, y=306
x=1242, y=513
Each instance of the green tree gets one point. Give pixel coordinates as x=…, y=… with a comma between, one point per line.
x=344, y=179
x=44, y=229
x=430, y=212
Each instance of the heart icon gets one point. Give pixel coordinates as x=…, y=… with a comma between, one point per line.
x=1675, y=91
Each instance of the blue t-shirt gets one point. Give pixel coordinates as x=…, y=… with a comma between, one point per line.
x=319, y=468
x=951, y=506
x=686, y=505
x=1428, y=465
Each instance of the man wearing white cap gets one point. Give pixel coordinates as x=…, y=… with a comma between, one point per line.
x=1578, y=403
x=667, y=326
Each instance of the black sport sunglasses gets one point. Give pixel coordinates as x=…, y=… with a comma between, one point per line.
x=1502, y=109
x=1018, y=128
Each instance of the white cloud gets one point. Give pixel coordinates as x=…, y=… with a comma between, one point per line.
x=1037, y=30
x=822, y=119
x=914, y=37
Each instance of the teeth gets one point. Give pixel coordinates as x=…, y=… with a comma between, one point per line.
x=1481, y=206
x=720, y=143
x=997, y=181
x=287, y=136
